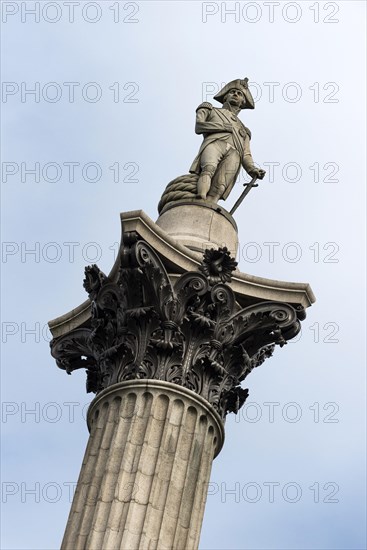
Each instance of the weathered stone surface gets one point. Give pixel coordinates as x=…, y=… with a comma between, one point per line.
x=176, y=258
x=199, y=226
x=225, y=148
x=146, y=469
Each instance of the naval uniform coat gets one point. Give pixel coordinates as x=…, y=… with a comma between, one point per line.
x=212, y=123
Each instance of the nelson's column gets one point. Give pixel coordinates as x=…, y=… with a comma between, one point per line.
x=167, y=339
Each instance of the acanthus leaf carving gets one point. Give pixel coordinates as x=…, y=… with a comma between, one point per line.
x=192, y=333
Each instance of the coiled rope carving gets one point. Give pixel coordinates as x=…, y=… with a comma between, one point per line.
x=183, y=187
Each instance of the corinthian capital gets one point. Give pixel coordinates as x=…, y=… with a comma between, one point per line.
x=191, y=332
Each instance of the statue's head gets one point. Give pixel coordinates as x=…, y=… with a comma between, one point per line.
x=236, y=93
x=234, y=97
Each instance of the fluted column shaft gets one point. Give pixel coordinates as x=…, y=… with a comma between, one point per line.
x=144, y=478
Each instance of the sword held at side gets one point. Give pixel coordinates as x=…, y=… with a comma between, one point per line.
x=248, y=187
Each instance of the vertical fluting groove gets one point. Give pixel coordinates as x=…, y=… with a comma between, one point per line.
x=152, y=519
x=90, y=458
x=149, y=466
x=146, y=470
x=160, y=485
x=124, y=419
x=198, y=508
x=142, y=429
x=126, y=487
x=188, y=495
x=93, y=484
x=145, y=474
x=157, y=495
x=167, y=465
x=185, y=452
x=178, y=479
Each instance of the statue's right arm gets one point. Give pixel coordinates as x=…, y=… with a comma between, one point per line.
x=205, y=124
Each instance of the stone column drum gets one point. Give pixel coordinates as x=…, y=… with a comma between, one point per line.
x=199, y=226
x=146, y=469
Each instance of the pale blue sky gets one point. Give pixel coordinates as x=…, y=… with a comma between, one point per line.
x=170, y=57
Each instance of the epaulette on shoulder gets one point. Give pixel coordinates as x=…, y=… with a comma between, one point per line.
x=248, y=131
x=205, y=105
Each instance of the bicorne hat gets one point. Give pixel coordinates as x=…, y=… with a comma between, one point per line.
x=248, y=102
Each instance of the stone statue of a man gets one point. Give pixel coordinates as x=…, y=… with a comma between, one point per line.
x=226, y=145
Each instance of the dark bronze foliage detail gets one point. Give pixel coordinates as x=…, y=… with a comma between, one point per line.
x=217, y=265
x=191, y=333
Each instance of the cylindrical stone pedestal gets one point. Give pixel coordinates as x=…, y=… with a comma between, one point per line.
x=145, y=474
x=199, y=225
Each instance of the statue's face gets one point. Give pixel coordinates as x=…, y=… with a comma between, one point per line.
x=234, y=97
